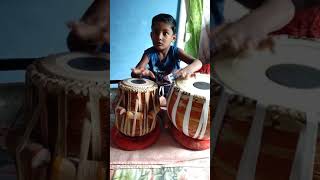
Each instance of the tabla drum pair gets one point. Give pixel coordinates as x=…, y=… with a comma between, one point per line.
x=137, y=105
x=64, y=90
x=188, y=107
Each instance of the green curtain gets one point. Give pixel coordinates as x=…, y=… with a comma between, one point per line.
x=193, y=26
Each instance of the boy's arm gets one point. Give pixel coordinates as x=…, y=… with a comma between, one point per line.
x=271, y=15
x=194, y=64
x=253, y=28
x=92, y=30
x=140, y=69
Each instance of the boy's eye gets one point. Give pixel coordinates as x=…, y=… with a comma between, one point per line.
x=158, y=33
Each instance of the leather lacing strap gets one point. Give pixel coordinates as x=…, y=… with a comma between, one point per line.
x=94, y=107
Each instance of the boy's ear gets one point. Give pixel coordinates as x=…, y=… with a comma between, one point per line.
x=174, y=37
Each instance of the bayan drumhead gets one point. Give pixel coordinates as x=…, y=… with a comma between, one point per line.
x=289, y=76
x=78, y=66
x=138, y=84
x=198, y=86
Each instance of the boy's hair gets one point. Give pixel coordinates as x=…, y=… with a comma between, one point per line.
x=166, y=18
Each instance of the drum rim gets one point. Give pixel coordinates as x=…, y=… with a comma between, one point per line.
x=291, y=40
x=153, y=86
x=64, y=71
x=53, y=83
x=201, y=97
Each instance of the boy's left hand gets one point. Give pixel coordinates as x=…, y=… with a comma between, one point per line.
x=184, y=73
x=240, y=36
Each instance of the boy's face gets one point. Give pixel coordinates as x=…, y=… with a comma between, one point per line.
x=162, y=35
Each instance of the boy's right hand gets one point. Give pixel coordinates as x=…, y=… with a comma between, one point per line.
x=91, y=33
x=137, y=71
x=88, y=32
x=143, y=72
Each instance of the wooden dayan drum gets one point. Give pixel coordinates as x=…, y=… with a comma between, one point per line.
x=189, y=106
x=136, y=108
x=69, y=88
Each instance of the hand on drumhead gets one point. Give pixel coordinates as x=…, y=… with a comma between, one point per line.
x=148, y=73
x=86, y=37
x=184, y=73
x=137, y=71
x=143, y=72
x=237, y=38
x=87, y=32
x=91, y=32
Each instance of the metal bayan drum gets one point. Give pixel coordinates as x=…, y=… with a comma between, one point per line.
x=136, y=108
x=273, y=133
x=189, y=106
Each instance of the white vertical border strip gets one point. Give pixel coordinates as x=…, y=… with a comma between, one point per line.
x=205, y=118
x=181, y=34
x=204, y=43
x=250, y=154
x=182, y=24
x=174, y=110
x=185, y=126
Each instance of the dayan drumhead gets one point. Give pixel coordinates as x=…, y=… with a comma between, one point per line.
x=78, y=66
x=138, y=85
x=289, y=76
x=198, y=86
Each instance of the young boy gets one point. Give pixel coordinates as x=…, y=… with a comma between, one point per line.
x=163, y=59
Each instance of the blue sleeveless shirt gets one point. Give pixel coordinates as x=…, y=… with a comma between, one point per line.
x=162, y=68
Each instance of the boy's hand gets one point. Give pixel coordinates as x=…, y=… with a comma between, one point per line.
x=148, y=73
x=91, y=32
x=184, y=73
x=88, y=32
x=143, y=72
x=238, y=37
x=137, y=71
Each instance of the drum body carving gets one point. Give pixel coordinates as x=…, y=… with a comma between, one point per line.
x=73, y=87
x=189, y=106
x=136, y=107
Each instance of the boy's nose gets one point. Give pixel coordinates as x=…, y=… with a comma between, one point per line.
x=160, y=36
